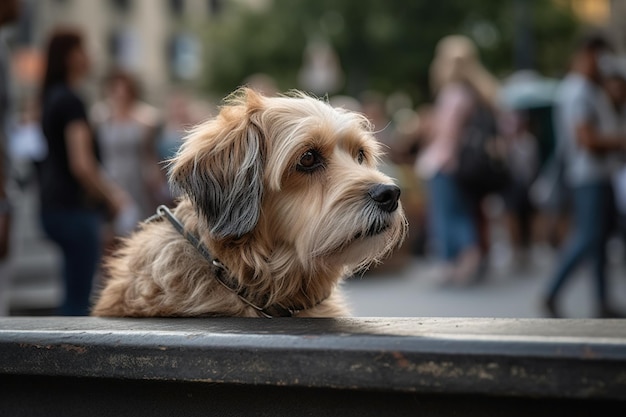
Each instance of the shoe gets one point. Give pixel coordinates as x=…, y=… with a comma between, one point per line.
x=470, y=268
x=549, y=307
x=444, y=276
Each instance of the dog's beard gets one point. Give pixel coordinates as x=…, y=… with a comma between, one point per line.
x=379, y=235
x=354, y=237
x=376, y=222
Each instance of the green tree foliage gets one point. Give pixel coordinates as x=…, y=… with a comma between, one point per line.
x=386, y=45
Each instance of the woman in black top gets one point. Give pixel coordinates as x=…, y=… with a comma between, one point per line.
x=73, y=191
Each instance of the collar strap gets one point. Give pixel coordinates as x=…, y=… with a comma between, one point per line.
x=274, y=310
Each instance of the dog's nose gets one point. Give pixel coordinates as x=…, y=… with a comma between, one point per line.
x=386, y=196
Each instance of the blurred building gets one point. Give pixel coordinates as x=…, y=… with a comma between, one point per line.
x=155, y=39
x=594, y=12
x=607, y=14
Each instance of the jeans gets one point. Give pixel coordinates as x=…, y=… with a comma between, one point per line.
x=593, y=215
x=452, y=225
x=77, y=232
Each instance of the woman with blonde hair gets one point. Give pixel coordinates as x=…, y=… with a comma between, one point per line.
x=460, y=85
x=456, y=60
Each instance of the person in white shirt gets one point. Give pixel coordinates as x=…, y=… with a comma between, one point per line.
x=588, y=141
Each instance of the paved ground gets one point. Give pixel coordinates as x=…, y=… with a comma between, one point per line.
x=409, y=291
x=414, y=291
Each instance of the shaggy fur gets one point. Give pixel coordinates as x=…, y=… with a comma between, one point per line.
x=279, y=189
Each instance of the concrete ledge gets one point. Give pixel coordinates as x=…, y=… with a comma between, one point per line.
x=525, y=361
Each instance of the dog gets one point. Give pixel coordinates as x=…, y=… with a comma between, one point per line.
x=280, y=199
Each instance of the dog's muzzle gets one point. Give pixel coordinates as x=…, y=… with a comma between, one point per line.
x=385, y=196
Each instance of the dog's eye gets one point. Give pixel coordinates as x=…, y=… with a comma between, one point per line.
x=309, y=161
x=361, y=156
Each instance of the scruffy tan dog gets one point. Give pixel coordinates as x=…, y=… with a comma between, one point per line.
x=282, y=199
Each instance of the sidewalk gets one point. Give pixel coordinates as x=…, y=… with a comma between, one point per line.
x=414, y=292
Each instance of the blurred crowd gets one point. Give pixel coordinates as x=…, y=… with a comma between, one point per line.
x=544, y=158
x=99, y=167
x=550, y=155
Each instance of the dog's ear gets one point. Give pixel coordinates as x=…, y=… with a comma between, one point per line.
x=220, y=167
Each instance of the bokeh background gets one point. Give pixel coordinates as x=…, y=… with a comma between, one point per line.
x=345, y=46
x=189, y=54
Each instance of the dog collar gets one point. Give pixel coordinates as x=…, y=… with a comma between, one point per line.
x=221, y=272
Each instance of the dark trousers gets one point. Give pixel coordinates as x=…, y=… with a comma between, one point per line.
x=452, y=225
x=594, y=210
x=78, y=234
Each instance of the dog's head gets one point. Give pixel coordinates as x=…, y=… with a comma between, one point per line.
x=293, y=171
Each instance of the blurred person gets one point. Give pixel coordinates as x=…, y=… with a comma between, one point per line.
x=541, y=206
x=461, y=85
x=615, y=86
x=126, y=130
x=27, y=145
x=523, y=160
x=263, y=83
x=345, y=102
x=9, y=12
x=178, y=118
x=551, y=195
x=74, y=192
x=321, y=71
x=413, y=134
x=589, y=138
x=373, y=106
